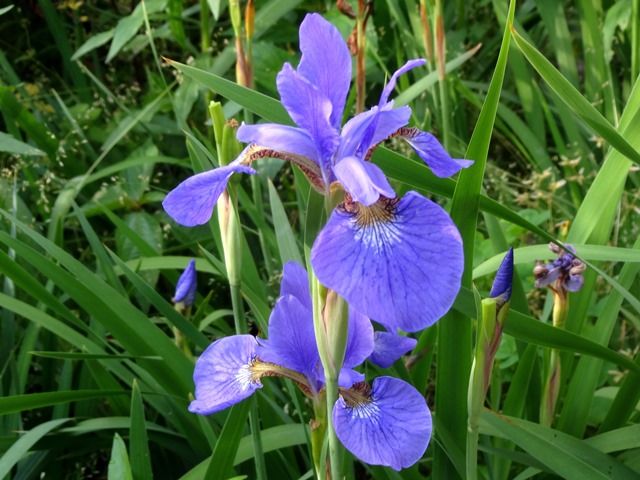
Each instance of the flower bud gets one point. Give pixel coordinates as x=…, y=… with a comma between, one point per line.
x=185, y=293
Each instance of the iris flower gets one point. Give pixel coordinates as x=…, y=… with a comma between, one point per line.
x=385, y=423
x=564, y=274
x=396, y=260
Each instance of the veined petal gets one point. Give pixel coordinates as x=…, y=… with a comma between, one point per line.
x=433, y=153
x=291, y=342
x=398, y=262
x=369, y=128
x=191, y=203
x=390, y=425
x=359, y=340
x=389, y=347
x=363, y=180
x=391, y=84
x=295, y=281
x=223, y=374
x=282, y=138
x=186, y=286
x=325, y=62
x=309, y=108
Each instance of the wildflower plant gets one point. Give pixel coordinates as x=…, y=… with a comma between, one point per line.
x=395, y=260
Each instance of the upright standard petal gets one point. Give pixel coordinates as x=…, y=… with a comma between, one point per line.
x=503, y=282
x=325, y=62
x=389, y=425
x=282, y=138
x=191, y=203
x=309, y=108
x=223, y=374
x=433, y=153
x=391, y=84
x=186, y=286
x=363, y=180
x=291, y=342
x=389, y=347
x=367, y=129
x=295, y=281
x=398, y=262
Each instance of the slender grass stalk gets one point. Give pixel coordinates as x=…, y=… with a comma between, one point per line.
x=440, y=53
x=361, y=46
x=205, y=34
x=554, y=372
x=635, y=40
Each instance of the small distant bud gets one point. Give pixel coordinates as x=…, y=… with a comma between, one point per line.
x=555, y=248
x=186, y=287
x=565, y=272
x=540, y=270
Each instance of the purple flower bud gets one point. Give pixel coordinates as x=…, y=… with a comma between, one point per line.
x=503, y=282
x=186, y=287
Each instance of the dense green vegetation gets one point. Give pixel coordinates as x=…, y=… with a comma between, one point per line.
x=105, y=108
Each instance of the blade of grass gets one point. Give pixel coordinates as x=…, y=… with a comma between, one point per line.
x=138, y=440
x=454, y=358
x=579, y=105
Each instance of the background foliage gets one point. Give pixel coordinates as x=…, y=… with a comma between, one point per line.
x=96, y=127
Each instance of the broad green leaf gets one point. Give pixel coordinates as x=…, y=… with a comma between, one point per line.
x=579, y=105
x=22, y=446
x=119, y=467
x=454, y=358
x=431, y=79
x=128, y=26
x=286, y=240
x=89, y=356
x=31, y=401
x=9, y=144
x=221, y=461
x=138, y=440
x=531, y=253
x=92, y=43
x=571, y=458
x=274, y=438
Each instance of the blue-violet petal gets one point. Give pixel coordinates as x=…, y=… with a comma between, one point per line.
x=392, y=427
x=223, y=375
x=398, y=262
x=191, y=203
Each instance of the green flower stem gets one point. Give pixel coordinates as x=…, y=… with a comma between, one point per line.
x=554, y=371
x=330, y=326
x=178, y=336
x=318, y=432
x=479, y=381
x=205, y=37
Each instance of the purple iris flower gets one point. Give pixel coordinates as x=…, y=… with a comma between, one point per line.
x=396, y=260
x=564, y=274
x=387, y=423
x=186, y=287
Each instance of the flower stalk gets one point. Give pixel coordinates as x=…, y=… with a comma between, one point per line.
x=330, y=320
x=231, y=234
x=554, y=371
x=563, y=275
x=493, y=315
